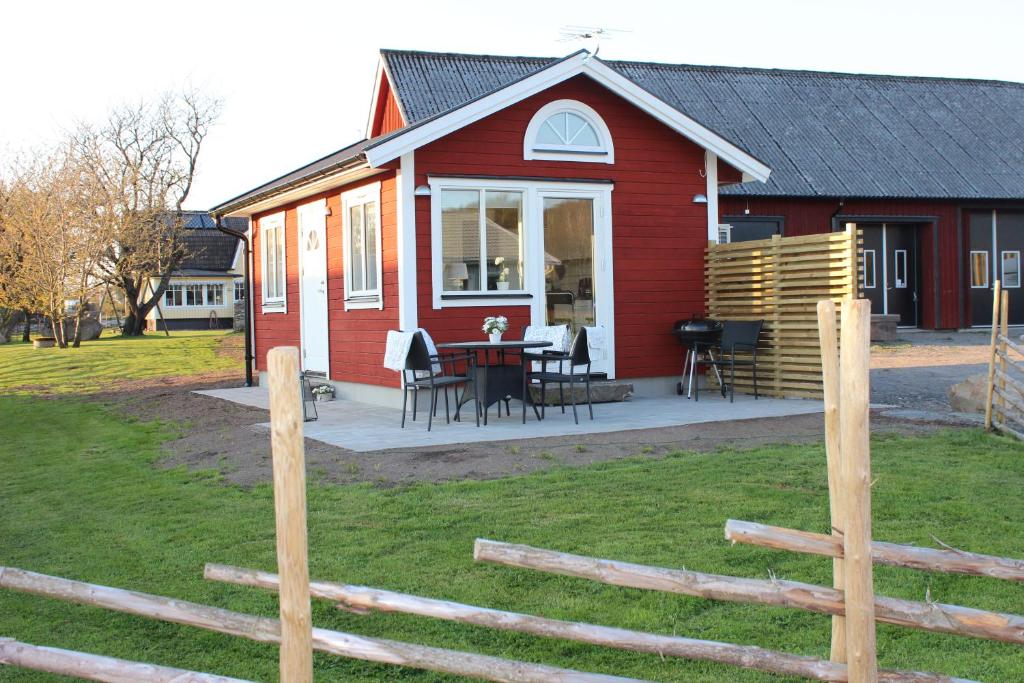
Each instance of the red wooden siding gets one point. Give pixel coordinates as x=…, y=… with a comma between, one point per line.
x=356, y=337
x=387, y=116
x=809, y=216
x=659, y=234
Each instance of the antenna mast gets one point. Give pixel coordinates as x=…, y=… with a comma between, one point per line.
x=591, y=35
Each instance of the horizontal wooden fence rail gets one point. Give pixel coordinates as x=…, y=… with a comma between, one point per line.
x=949, y=560
x=96, y=667
x=781, y=280
x=267, y=630
x=927, y=616
x=363, y=599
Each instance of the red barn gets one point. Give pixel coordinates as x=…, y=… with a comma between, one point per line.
x=585, y=191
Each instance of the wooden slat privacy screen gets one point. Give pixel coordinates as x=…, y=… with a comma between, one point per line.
x=781, y=280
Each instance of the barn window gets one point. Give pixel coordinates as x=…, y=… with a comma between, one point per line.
x=567, y=130
x=1011, y=269
x=869, y=269
x=979, y=270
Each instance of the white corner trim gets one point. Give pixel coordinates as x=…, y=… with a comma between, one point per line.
x=581, y=63
x=405, y=181
x=605, y=154
x=274, y=220
x=360, y=299
x=711, y=192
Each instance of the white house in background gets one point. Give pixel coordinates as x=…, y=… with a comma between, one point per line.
x=203, y=291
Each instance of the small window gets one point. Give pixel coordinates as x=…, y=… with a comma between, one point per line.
x=362, y=243
x=239, y=290
x=214, y=295
x=172, y=296
x=900, y=269
x=193, y=295
x=273, y=258
x=567, y=130
x=1011, y=269
x=869, y=269
x=481, y=241
x=979, y=270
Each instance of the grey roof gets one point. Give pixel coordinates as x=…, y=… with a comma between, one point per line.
x=334, y=161
x=208, y=251
x=822, y=134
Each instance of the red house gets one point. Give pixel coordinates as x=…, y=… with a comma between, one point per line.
x=585, y=191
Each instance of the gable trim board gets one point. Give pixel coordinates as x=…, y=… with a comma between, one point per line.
x=580, y=63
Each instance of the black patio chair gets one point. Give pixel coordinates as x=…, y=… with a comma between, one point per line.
x=578, y=355
x=739, y=337
x=425, y=371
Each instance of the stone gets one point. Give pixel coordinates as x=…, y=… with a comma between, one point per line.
x=969, y=396
x=883, y=327
x=601, y=391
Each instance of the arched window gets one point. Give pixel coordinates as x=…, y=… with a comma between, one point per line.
x=567, y=130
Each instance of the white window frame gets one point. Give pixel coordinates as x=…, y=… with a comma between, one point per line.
x=235, y=286
x=970, y=265
x=273, y=304
x=604, y=154
x=1002, y=269
x=899, y=259
x=370, y=298
x=874, y=273
x=181, y=290
x=206, y=293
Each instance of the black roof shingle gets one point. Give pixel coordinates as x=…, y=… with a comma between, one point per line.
x=823, y=134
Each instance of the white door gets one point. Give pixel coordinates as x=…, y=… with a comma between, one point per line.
x=313, y=286
x=577, y=257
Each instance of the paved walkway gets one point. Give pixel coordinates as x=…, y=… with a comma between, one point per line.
x=361, y=427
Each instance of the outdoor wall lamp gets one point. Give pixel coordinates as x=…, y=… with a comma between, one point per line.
x=422, y=191
x=700, y=199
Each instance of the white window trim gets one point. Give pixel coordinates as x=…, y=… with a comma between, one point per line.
x=277, y=304
x=874, y=270
x=355, y=300
x=184, y=284
x=970, y=264
x=605, y=154
x=900, y=259
x=1002, y=269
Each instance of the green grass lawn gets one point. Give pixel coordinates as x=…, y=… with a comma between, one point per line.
x=96, y=364
x=79, y=497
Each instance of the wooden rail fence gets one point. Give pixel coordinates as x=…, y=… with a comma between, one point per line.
x=1004, y=398
x=850, y=602
x=781, y=280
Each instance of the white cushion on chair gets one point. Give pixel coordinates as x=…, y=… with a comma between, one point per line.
x=558, y=335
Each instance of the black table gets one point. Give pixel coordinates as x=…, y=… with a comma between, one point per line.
x=496, y=381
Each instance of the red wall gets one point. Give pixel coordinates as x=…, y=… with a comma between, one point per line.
x=387, y=116
x=659, y=234
x=809, y=216
x=356, y=337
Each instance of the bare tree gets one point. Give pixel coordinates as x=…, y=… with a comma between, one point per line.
x=142, y=163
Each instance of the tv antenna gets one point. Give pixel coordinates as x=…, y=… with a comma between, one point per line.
x=592, y=35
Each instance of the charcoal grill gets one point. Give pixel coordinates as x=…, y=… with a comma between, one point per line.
x=691, y=333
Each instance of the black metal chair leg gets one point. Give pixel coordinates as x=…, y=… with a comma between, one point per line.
x=543, y=400
x=754, y=369
x=405, y=404
x=561, y=396
x=447, y=411
x=732, y=380
x=572, y=396
x=433, y=407
x=590, y=404
x=415, y=401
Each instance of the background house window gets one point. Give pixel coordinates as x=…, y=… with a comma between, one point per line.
x=979, y=270
x=568, y=130
x=172, y=296
x=193, y=295
x=239, y=290
x=273, y=258
x=214, y=295
x=1011, y=269
x=362, y=241
x=481, y=241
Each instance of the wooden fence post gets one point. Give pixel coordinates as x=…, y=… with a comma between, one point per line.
x=1004, y=332
x=286, y=438
x=990, y=388
x=833, y=454
x=856, y=491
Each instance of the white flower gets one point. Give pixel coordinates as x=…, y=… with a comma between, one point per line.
x=498, y=260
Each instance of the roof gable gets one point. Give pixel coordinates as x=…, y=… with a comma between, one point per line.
x=425, y=130
x=822, y=134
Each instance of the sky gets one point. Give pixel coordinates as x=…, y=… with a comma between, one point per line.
x=295, y=76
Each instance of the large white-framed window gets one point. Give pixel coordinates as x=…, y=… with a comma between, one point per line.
x=194, y=295
x=979, y=270
x=568, y=130
x=173, y=296
x=482, y=246
x=273, y=257
x=361, y=235
x=1010, y=269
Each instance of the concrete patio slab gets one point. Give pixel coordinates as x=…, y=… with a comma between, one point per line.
x=362, y=427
